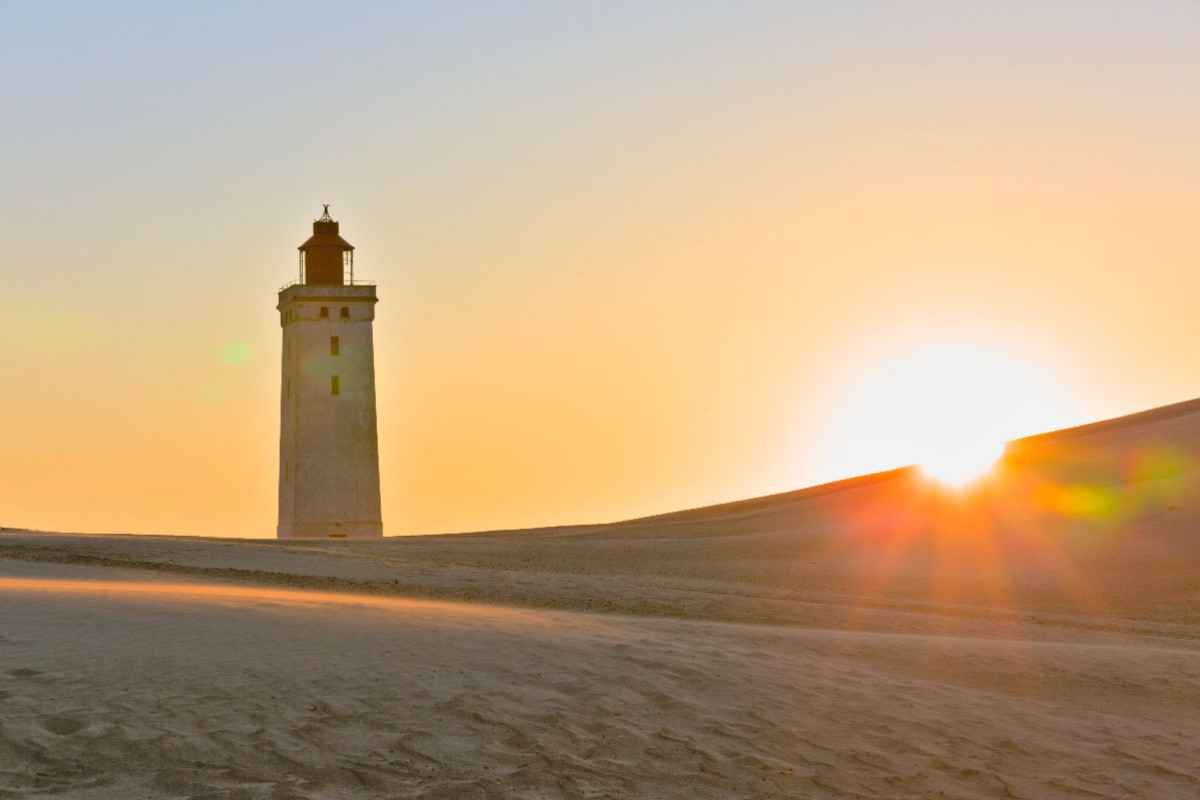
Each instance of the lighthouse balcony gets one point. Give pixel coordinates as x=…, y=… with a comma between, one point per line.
x=359, y=290
x=345, y=282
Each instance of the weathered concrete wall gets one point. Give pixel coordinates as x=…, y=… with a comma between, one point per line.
x=328, y=443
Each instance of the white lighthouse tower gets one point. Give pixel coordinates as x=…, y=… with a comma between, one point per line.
x=328, y=439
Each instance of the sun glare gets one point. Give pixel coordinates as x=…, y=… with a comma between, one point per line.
x=948, y=408
x=960, y=465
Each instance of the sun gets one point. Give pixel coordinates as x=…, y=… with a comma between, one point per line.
x=948, y=407
x=962, y=463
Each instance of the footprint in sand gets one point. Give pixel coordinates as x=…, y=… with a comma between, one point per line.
x=62, y=726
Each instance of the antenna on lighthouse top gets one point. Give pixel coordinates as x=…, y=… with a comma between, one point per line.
x=325, y=217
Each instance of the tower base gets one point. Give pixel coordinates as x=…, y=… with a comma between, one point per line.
x=331, y=530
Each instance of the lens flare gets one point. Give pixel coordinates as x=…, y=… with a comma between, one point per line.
x=235, y=354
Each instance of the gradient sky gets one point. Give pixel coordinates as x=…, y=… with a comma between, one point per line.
x=632, y=256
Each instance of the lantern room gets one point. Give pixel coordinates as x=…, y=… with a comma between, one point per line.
x=326, y=258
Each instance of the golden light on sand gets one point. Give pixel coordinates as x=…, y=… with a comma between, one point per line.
x=949, y=408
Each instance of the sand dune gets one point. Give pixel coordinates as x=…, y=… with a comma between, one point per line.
x=880, y=637
x=186, y=691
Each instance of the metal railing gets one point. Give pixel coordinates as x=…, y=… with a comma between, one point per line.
x=345, y=282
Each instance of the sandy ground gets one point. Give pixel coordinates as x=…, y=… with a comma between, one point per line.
x=1038, y=637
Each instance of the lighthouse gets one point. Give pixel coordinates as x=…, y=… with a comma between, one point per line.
x=328, y=436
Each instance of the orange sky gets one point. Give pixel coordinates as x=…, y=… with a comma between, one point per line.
x=629, y=261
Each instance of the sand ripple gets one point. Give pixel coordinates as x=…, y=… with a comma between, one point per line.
x=204, y=692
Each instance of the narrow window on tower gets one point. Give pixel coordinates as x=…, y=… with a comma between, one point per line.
x=289, y=346
x=345, y=312
x=324, y=312
x=335, y=387
x=333, y=346
x=289, y=387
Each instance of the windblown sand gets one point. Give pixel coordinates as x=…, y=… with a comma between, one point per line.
x=1039, y=638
